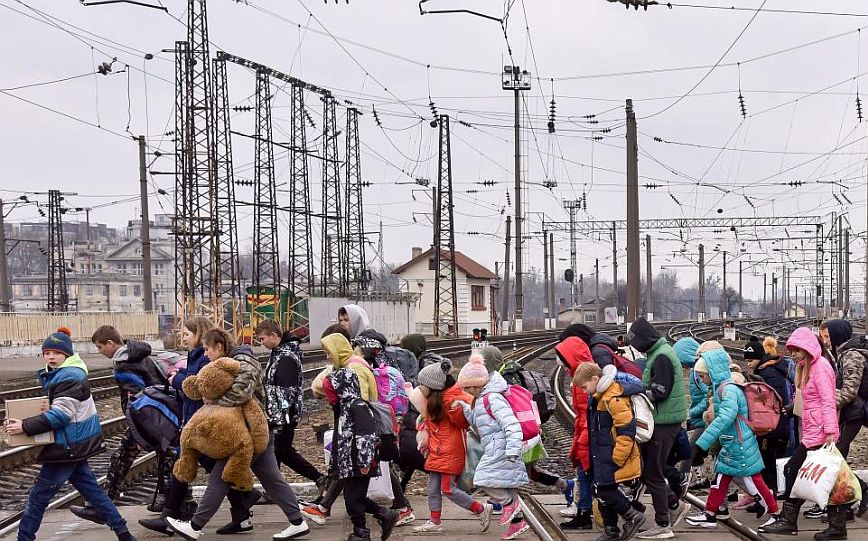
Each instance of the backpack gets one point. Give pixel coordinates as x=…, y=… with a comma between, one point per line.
x=385, y=426
x=168, y=361
x=405, y=361
x=643, y=412
x=523, y=407
x=623, y=364
x=390, y=389
x=764, y=406
x=536, y=383
x=154, y=418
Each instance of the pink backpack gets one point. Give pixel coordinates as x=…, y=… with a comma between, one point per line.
x=523, y=407
x=390, y=389
x=764, y=406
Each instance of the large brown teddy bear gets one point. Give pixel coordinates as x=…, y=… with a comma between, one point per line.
x=232, y=433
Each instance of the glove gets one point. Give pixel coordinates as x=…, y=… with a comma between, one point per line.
x=697, y=454
x=788, y=410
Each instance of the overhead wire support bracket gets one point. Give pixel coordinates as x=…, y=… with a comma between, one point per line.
x=468, y=11
x=133, y=2
x=271, y=72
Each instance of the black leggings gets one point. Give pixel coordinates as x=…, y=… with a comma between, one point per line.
x=357, y=501
x=178, y=491
x=771, y=449
x=286, y=453
x=612, y=503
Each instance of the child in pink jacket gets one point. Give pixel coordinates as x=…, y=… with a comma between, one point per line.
x=815, y=379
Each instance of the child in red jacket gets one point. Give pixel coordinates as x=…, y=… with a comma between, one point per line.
x=446, y=452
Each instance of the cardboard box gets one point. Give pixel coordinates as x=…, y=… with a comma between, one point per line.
x=23, y=408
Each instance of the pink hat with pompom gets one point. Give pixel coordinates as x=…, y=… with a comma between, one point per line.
x=474, y=373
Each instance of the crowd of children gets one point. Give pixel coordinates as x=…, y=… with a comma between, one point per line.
x=654, y=417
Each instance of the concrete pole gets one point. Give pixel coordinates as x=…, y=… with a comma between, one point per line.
x=725, y=296
x=597, y=290
x=774, y=294
x=147, y=285
x=740, y=298
x=545, y=279
x=701, y=283
x=615, y=268
x=519, y=298
x=553, y=307
x=765, y=288
x=505, y=316
x=841, y=250
x=847, y=273
x=633, y=258
x=4, y=269
x=649, y=281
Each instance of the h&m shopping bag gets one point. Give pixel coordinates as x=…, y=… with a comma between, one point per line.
x=818, y=474
x=380, y=488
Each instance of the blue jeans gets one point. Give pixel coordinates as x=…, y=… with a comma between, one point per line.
x=586, y=489
x=49, y=481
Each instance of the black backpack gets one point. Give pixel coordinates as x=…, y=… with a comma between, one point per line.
x=536, y=383
x=404, y=361
x=154, y=417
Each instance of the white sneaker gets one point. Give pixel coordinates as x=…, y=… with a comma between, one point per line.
x=657, y=532
x=292, y=531
x=428, y=528
x=485, y=517
x=184, y=528
x=569, y=511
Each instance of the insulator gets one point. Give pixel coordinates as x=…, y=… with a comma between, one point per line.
x=741, y=104
x=859, y=107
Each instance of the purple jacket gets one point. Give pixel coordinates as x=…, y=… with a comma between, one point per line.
x=820, y=418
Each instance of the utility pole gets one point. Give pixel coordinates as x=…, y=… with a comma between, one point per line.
x=517, y=80
x=633, y=275
x=847, y=273
x=446, y=287
x=774, y=294
x=701, y=283
x=506, y=274
x=582, y=297
x=4, y=269
x=145, y=234
x=840, y=266
x=573, y=206
x=615, y=268
x=546, y=279
x=597, y=290
x=553, y=308
x=649, y=294
x=765, y=287
x=725, y=296
x=740, y=298
x=58, y=294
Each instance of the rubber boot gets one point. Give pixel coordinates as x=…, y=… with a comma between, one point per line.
x=159, y=524
x=360, y=534
x=837, y=524
x=787, y=521
x=582, y=521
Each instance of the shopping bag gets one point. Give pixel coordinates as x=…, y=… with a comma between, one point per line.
x=380, y=488
x=327, y=445
x=817, y=475
x=780, y=464
x=847, y=488
x=533, y=450
x=471, y=460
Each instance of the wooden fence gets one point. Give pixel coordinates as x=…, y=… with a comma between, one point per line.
x=32, y=328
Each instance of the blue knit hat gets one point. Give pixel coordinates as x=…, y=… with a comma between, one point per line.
x=59, y=341
x=686, y=348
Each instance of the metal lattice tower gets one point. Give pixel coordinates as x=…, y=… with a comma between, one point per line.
x=357, y=269
x=58, y=294
x=266, y=269
x=184, y=266
x=445, y=286
x=333, y=259
x=224, y=248
x=300, y=245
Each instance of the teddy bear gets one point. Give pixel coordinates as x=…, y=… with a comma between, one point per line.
x=220, y=432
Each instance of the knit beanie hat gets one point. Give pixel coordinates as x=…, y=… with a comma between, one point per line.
x=708, y=345
x=493, y=357
x=60, y=341
x=474, y=373
x=753, y=350
x=700, y=366
x=434, y=375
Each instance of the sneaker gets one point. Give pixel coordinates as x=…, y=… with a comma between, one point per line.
x=497, y=508
x=388, y=522
x=515, y=530
x=815, y=512
x=758, y=509
x=315, y=513
x=569, y=491
x=633, y=521
x=675, y=515
x=235, y=527
x=184, y=529
x=292, y=531
x=863, y=506
x=87, y=513
x=510, y=510
x=744, y=502
x=569, y=511
x=702, y=520
x=428, y=527
x=657, y=532
x=485, y=517
x=405, y=516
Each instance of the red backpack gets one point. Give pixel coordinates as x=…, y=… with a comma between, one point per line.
x=764, y=406
x=624, y=364
x=523, y=407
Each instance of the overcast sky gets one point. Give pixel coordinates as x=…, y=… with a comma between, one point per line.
x=799, y=75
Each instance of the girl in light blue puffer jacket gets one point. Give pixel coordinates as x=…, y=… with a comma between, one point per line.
x=500, y=471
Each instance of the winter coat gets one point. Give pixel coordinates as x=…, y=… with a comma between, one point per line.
x=698, y=400
x=248, y=381
x=446, y=447
x=850, y=381
x=773, y=371
x=134, y=369
x=663, y=378
x=685, y=349
x=71, y=416
x=283, y=383
x=819, y=417
x=501, y=465
x=368, y=343
x=739, y=455
x=602, y=346
x=612, y=427
x=355, y=443
x=341, y=355
x=196, y=359
x=571, y=353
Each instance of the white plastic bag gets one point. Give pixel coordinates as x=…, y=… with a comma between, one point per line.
x=380, y=488
x=327, y=445
x=817, y=475
x=780, y=464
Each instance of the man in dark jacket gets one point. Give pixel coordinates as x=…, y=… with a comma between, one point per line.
x=664, y=383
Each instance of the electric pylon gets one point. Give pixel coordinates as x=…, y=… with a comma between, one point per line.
x=445, y=286
x=58, y=294
x=333, y=247
x=355, y=236
x=300, y=245
x=266, y=269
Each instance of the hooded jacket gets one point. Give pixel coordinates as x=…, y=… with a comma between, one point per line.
x=134, y=369
x=612, y=428
x=493, y=358
x=446, y=451
x=501, y=465
x=819, y=417
x=602, y=346
x=663, y=373
x=340, y=353
x=283, y=382
x=71, y=416
x=686, y=350
x=367, y=342
x=739, y=454
x=571, y=353
x=355, y=443
x=196, y=359
x=851, y=382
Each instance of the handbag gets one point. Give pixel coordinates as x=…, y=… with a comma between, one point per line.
x=818, y=474
x=380, y=487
